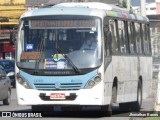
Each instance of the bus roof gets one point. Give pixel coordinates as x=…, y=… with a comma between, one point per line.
x=93, y=5
x=85, y=8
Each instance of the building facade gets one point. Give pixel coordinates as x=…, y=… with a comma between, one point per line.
x=10, y=12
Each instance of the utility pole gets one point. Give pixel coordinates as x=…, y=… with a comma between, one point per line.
x=128, y=4
x=143, y=7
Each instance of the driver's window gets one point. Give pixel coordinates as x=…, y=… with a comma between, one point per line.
x=90, y=42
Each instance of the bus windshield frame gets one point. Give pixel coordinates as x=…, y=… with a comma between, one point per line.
x=67, y=33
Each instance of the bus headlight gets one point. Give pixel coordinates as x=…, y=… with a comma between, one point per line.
x=97, y=79
x=20, y=81
x=24, y=83
x=94, y=81
x=91, y=83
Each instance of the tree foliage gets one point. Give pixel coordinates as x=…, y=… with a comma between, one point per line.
x=124, y=3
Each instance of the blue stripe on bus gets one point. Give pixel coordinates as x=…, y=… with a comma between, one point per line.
x=66, y=82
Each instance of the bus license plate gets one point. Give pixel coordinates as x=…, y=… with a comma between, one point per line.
x=57, y=96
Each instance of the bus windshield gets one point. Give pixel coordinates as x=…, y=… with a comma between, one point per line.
x=59, y=42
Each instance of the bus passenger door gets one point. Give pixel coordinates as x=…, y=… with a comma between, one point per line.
x=107, y=61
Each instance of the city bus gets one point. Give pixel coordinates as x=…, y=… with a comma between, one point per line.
x=53, y=69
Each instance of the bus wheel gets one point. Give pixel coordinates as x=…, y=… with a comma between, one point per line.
x=114, y=95
x=107, y=110
x=137, y=104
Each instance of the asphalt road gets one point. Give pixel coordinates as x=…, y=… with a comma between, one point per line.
x=147, y=105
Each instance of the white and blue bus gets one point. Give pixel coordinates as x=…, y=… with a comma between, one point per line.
x=54, y=69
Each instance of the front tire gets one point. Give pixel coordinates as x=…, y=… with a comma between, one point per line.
x=107, y=110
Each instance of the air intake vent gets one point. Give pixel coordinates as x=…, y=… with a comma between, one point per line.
x=59, y=86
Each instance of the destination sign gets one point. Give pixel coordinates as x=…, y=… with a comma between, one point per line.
x=61, y=23
x=30, y=55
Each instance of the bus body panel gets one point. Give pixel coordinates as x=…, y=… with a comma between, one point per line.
x=125, y=69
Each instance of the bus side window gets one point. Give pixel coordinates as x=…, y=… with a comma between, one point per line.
x=122, y=36
x=112, y=27
x=146, y=40
x=131, y=38
x=138, y=38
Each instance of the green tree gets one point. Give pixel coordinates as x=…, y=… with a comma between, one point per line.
x=124, y=3
x=119, y=2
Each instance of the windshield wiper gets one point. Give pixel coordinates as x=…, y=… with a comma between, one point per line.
x=41, y=48
x=68, y=59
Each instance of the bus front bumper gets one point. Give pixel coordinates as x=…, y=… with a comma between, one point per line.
x=92, y=96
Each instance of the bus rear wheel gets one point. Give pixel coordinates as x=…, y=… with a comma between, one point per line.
x=137, y=104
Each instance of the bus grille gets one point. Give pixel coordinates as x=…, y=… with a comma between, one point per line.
x=63, y=86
